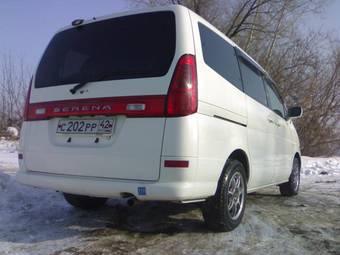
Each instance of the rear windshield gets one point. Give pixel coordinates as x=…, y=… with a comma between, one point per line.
x=135, y=46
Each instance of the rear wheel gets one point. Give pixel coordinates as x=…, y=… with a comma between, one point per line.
x=224, y=211
x=291, y=188
x=84, y=202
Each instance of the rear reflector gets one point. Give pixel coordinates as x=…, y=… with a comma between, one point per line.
x=176, y=163
x=131, y=106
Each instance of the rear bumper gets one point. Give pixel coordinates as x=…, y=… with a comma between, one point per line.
x=105, y=187
x=120, y=168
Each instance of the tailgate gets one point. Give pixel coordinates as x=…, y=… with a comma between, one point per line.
x=125, y=65
x=132, y=152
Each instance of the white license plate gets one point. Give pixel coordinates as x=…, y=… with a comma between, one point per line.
x=86, y=126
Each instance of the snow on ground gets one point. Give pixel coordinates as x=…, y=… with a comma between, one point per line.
x=12, y=131
x=38, y=221
x=320, y=166
x=8, y=155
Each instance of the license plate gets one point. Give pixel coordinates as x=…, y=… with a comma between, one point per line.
x=86, y=126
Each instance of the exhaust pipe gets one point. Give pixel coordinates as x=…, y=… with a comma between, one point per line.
x=128, y=201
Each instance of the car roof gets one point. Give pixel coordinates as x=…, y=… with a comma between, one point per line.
x=176, y=9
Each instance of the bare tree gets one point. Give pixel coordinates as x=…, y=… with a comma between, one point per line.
x=14, y=79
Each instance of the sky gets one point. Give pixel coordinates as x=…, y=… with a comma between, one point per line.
x=327, y=20
x=26, y=26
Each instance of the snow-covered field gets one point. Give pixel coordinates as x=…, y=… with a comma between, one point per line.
x=8, y=156
x=38, y=221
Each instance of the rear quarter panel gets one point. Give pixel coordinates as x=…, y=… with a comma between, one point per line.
x=217, y=137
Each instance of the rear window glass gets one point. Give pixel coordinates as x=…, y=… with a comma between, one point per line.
x=135, y=46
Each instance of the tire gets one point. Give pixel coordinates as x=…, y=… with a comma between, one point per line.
x=291, y=188
x=224, y=211
x=84, y=202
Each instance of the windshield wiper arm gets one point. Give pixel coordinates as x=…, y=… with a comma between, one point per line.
x=83, y=83
x=78, y=87
x=121, y=72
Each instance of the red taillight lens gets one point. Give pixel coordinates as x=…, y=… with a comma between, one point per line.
x=182, y=94
x=27, y=102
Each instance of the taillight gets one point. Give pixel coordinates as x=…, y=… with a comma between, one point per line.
x=27, y=102
x=182, y=94
x=130, y=106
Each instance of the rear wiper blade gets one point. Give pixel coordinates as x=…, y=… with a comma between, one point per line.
x=78, y=87
x=83, y=83
x=111, y=74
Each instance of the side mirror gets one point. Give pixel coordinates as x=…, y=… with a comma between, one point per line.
x=295, y=112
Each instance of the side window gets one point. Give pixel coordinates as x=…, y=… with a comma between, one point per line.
x=220, y=56
x=253, y=83
x=274, y=101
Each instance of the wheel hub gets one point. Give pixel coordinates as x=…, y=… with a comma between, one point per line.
x=235, y=195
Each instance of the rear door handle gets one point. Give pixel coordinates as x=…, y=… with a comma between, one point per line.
x=273, y=122
x=270, y=121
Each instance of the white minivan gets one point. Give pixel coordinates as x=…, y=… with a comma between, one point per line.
x=156, y=105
